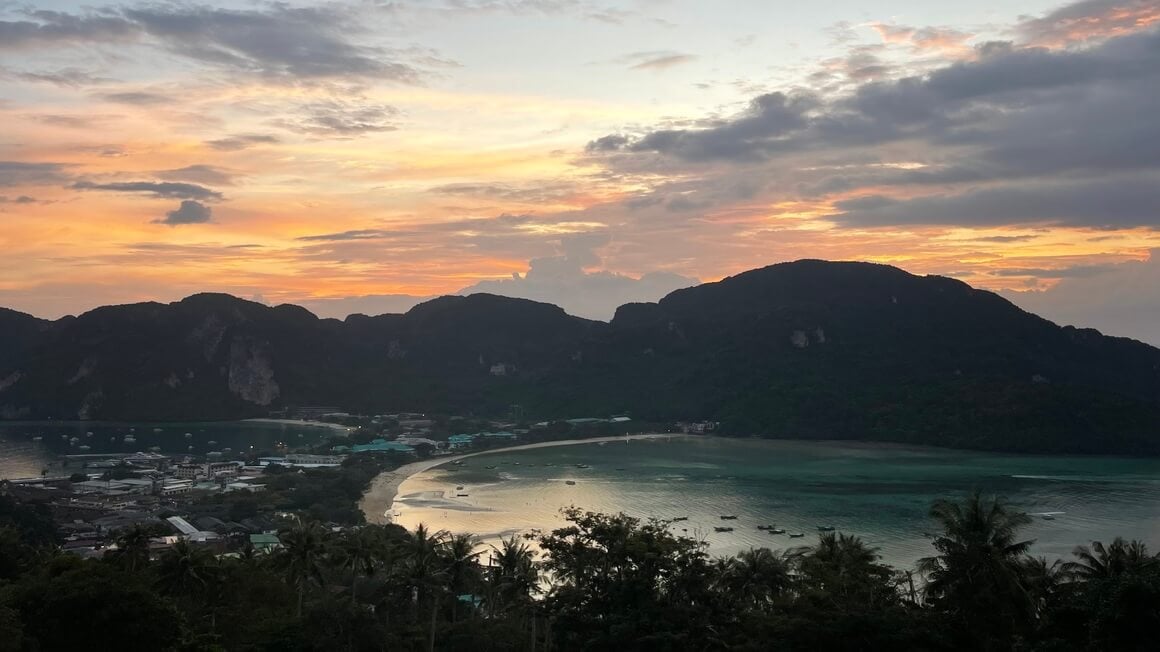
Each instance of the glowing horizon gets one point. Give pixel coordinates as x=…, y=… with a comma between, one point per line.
x=562, y=149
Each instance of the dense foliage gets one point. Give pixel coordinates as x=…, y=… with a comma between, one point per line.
x=602, y=582
x=798, y=350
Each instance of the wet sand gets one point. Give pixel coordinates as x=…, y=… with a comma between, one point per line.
x=378, y=498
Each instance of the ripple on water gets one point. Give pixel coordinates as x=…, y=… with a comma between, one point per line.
x=882, y=495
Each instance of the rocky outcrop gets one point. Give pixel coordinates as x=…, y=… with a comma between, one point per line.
x=251, y=372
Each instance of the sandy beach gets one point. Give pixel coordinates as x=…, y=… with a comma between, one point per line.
x=378, y=498
x=309, y=424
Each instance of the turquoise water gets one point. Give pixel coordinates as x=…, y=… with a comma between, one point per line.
x=23, y=456
x=881, y=493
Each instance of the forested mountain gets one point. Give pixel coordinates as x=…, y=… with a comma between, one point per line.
x=809, y=349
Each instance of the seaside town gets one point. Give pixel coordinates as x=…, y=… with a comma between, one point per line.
x=235, y=502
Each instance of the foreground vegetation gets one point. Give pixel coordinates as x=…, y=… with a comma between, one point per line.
x=602, y=582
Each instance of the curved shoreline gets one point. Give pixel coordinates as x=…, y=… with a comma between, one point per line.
x=379, y=497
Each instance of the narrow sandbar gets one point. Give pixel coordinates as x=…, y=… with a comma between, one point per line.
x=378, y=498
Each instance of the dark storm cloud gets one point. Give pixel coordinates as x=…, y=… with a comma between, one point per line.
x=18, y=173
x=190, y=212
x=242, y=141
x=275, y=41
x=159, y=189
x=1100, y=203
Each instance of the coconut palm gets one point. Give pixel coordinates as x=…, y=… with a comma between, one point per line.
x=1107, y=562
x=360, y=551
x=978, y=574
x=513, y=576
x=461, y=567
x=425, y=571
x=845, y=571
x=185, y=570
x=132, y=551
x=755, y=577
x=302, y=557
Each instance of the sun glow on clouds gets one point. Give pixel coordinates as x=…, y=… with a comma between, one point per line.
x=150, y=156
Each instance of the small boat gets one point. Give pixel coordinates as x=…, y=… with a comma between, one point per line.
x=459, y=488
x=158, y=430
x=1048, y=517
x=825, y=528
x=84, y=448
x=797, y=535
x=569, y=482
x=680, y=518
x=188, y=435
x=583, y=466
x=37, y=438
x=728, y=517
x=212, y=442
x=461, y=495
x=777, y=530
x=491, y=467
x=765, y=527
x=722, y=529
x=515, y=463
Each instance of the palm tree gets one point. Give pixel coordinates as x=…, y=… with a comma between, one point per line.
x=514, y=578
x=360, y=550
x=185, y=570
x=845, y=571
x=978, y=574
x=1119, y=558
x=463, y=576
x=755, y=577
x=132, y=551
x=425, y=570
x=302, y=557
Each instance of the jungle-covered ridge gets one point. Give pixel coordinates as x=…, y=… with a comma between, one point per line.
x=802, y=350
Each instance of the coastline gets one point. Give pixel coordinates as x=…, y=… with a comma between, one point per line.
x=378, y=499
x=301, y=422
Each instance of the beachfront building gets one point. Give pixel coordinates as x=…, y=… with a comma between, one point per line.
x=383, y=446
x=415, y=441
x=500, y=436
x=460, y=441
x=312, y=461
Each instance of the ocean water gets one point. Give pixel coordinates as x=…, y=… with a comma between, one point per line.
x=881, y=493
x=24, y=456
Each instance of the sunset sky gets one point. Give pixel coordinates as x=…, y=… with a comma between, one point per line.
x=353, y=156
